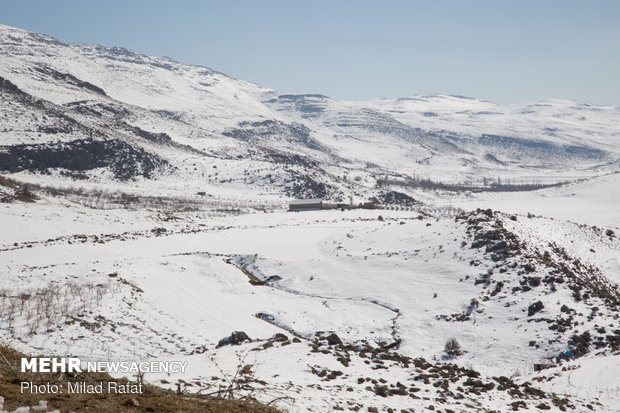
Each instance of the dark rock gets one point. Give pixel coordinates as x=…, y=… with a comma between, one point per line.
x=279, y=337
x=333, y=339
x=272, y=279
x=400, y=390
x=124, y=160
x=236, y=338
x=528, y=268
x=534, y=308
x=381, y=391
x=478, y=243
x=496, y=246
x=534, y=281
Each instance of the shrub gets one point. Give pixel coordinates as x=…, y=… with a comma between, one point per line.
x=452, y=347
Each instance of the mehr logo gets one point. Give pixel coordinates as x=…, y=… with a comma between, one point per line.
x=51, y=365
x=75, y=365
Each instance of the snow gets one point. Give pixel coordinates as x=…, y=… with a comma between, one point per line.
x=349, y=272
x=168, y=276
x=593, y=202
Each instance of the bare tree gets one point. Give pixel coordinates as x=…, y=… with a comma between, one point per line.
x=452, y=347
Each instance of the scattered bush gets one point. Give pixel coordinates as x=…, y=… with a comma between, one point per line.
x=452, y=348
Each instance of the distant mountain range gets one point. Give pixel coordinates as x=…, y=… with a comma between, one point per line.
x=110, y=117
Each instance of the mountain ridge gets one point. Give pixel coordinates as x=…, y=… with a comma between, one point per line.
x=144, y=216
x=193, y=101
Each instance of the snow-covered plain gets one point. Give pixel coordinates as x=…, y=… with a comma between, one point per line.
x=205, y=248
x=174, y=296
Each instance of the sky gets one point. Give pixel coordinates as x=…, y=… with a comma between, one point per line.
x=501, y=51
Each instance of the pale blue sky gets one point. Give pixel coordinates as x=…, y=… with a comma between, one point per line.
x=503, y=51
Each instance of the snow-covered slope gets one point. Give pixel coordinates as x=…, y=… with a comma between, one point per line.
x=512, y=290
x=182, y=122
x=153, y=227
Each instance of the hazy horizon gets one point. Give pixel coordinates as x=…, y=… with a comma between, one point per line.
x=505, y=53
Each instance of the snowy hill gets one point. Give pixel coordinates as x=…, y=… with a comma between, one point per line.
x=153, y=227
x=179, y=121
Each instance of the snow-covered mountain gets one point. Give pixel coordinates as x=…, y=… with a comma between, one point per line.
x=160, y=121
x=154, y=227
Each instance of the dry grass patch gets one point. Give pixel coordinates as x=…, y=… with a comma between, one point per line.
x=153, y=398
